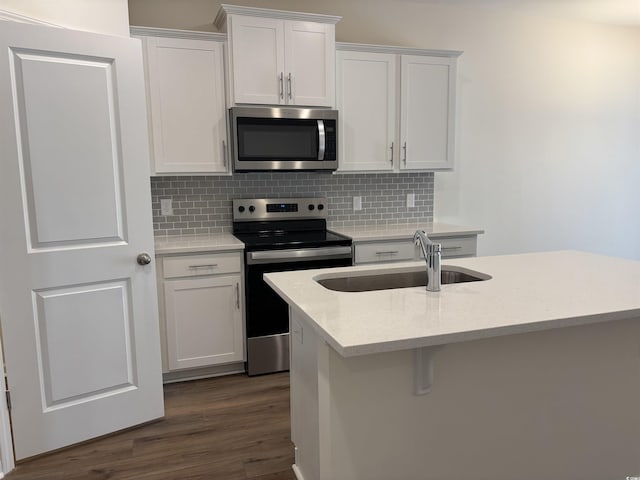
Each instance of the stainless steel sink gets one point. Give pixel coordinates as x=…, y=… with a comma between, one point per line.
x=387, y=281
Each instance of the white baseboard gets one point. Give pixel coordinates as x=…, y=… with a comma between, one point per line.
x=297, y=472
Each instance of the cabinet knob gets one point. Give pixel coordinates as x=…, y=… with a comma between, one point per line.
x=143, y=259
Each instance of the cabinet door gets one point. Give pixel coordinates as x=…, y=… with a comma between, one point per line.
x=186, y=91
x=366, y=99
x=204, y=321
x=309, y=63
x=257, y=59
x=427, y=112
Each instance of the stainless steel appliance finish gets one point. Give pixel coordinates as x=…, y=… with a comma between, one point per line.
x=280, y=234
x=274, y=138
x=432, y=256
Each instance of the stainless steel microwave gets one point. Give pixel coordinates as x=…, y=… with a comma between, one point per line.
x=295, y=139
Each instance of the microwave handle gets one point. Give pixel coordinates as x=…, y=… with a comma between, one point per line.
x=321, y=140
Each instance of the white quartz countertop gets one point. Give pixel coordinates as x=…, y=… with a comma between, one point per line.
x=404, y=231
x=197, y=243
x=226, y=241
x=526, y=293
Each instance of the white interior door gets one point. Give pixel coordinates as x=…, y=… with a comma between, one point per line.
x=79, y=315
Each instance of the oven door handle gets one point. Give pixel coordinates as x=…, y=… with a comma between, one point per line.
x=273, y=256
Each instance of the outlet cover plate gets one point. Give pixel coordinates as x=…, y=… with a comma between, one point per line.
x=166, y=206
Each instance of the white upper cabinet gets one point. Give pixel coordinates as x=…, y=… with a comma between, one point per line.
x=279, y=58
x=397, y=108
x=186, y=102
x=310, y=63
x=256, y=60
x=427, y=107
x=366, y=100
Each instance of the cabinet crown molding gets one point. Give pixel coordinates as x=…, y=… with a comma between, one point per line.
x=225, y=10
x=172, y=33
x=364, y=47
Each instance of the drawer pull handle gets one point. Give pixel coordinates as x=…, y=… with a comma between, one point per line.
x=211, y=265
x=387, y=252
x=457, y=247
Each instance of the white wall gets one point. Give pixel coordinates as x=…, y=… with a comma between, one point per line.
x=548, y=146
x=101, y=16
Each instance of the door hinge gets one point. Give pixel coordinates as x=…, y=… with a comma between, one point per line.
x=8, y=394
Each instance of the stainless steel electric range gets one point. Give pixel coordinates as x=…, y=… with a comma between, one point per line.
x=280, y=234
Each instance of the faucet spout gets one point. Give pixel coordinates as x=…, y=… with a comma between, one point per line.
x=432, y=256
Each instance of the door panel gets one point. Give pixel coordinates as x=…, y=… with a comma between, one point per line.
x=79, y=315
x=98, y=316
x=86, y=129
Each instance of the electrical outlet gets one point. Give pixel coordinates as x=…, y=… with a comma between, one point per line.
x=357, y=203
x=411, y=200
x=166, y=206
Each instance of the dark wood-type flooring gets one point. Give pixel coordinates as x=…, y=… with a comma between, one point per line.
x=230, y=428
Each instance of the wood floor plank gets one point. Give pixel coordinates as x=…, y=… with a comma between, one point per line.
x=227, y=428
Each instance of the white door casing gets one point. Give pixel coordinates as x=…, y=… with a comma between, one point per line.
x=79, y=315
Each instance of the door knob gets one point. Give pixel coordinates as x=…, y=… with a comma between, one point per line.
x=143, y=259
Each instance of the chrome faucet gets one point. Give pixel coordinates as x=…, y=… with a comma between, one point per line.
x=432, y=252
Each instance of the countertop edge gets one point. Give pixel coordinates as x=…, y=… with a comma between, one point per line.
x=405, y=231
x=458, y=337
x=626, y=308
x=202, y=243
x=209, y=243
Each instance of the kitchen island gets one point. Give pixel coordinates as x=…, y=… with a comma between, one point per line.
x=531, y=374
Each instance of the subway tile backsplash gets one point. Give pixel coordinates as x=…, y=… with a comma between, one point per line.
x=203, y=204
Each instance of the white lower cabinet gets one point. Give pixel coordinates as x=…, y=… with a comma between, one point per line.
x=380, y=251
x=202, y=308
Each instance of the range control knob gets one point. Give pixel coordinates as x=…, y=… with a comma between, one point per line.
x=311, y=206
x=241, y=209
x=320, y=206
x=252, y=208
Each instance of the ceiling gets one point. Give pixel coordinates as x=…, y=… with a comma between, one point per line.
x=615, y=12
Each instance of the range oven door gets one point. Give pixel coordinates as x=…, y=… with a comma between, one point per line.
x=267, y=315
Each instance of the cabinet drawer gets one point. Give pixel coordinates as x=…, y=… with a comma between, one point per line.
x=384, y=252
x=453, y=247
x=192, y=265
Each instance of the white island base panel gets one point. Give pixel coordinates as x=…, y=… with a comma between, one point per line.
x=561, y=404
